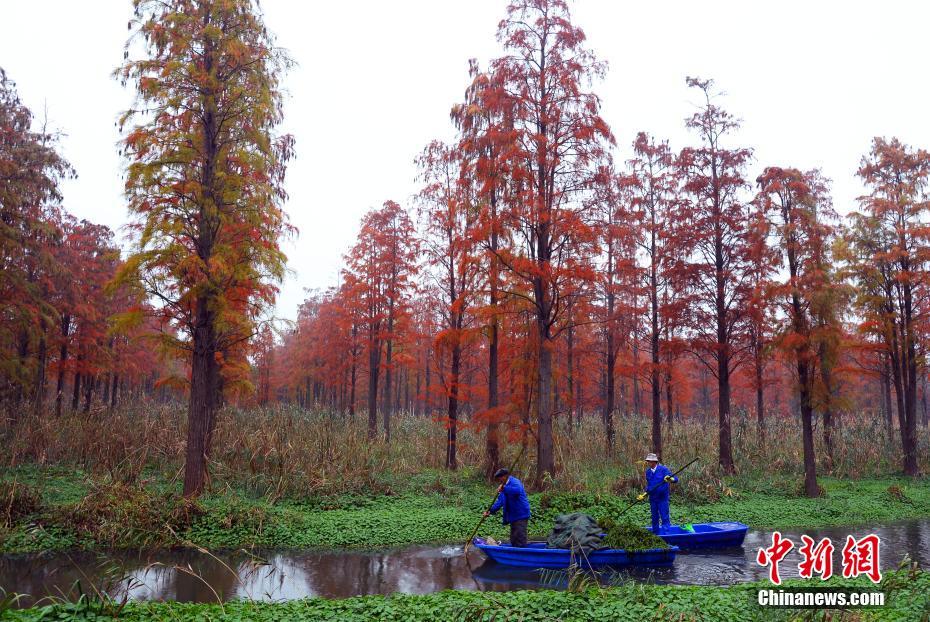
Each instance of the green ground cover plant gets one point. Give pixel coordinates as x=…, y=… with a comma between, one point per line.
x=907, y=598
x=153, y=513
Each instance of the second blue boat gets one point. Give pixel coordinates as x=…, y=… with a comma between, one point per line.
x=705, y=535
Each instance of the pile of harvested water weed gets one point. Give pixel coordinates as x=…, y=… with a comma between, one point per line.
x=629, y=537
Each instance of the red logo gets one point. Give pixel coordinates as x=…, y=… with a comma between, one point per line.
x=817, y=559
x=774, y=554
x=861, y=557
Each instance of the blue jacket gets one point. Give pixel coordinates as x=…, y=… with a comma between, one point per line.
x=656, y=478
x=514, y=501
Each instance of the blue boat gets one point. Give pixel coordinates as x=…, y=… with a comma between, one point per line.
x=705, y=535
x=536, y=555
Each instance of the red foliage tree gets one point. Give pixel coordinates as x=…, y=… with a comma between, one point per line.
x=798, y=205
x=717, y=238
x=450, y=220
x=890, y=263
x=380, y=267
x=486, y=138
x=617, y=277
x=30, y=172
x=559, y=137
x=760, y=312
x=655, y=183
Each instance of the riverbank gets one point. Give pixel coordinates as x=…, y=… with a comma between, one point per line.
x=69, y=509
x=907, y=598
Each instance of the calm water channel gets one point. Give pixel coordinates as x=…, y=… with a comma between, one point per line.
x=287, y=574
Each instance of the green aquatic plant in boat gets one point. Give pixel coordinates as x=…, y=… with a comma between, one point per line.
x=629, y=537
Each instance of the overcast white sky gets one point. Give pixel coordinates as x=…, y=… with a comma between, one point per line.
x=812, y=81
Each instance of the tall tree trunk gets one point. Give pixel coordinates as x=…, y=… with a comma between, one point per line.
x=826, y=377
x=62, y=363
x=886, y=395
x=923, y=398
x=88, y=391
x=909, y=348
x=669, y=418
x=570, y=378
x=811, y=488
x=113, y=391
x=654, y=360
x=760, y=398
x=579, y=414
x=344, y=393
x=203, y=394
x=453, y=407
x=374, y=363
x=388, y=373
x=609, y=391
x=723, y=407
x=637, y=398
x=40, y=388
x=406, y=404
x=801, y=327
x=610, y=356
x=624, y=407
x=352, y=381
x=668, y=375
x=723, y=338
x=427, y=410
x=725, y=442
x=545, y=459
x=898, y=380
x=527, y=400
x=105, y=398
x=418, y=397
x=544, y=199
x=76, y=395
x=23, y=354
x=492, y=440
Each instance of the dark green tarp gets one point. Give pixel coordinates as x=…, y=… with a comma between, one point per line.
x=578, y=532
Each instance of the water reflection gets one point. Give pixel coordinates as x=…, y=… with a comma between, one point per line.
x=185, y=575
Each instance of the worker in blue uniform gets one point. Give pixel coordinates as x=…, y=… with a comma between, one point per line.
x=512, y=497
x=658, y=485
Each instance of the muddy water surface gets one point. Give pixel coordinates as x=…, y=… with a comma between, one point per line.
x=286, y=574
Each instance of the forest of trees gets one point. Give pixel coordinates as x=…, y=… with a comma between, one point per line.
x=537, y=276
x=57, y=349
x=543, y=274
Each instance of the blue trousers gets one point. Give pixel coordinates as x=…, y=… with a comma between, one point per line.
x=659, y=509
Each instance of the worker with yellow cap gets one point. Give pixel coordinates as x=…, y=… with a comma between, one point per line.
x=658, y=486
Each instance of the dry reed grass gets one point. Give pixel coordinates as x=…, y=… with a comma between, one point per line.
x=286, y=451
